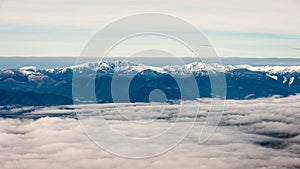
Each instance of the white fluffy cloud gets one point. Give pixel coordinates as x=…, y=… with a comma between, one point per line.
x=261, y=133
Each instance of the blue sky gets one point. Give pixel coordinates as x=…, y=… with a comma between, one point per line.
x=255, y=28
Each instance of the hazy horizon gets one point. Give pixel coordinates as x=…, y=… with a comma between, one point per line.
x=58, y=62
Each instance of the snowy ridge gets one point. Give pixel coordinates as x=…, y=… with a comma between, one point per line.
x=271, y=69
x=194, y=67
x=199, y=68
x=115, y=66
x=284, y=74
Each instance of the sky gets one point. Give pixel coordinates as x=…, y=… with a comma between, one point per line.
x=249, y=28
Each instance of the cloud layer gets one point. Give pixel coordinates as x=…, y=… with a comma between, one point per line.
x=261, y=133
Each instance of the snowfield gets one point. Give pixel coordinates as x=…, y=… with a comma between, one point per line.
x=260, y=133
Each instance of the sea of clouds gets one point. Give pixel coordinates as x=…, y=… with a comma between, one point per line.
x=260, y=133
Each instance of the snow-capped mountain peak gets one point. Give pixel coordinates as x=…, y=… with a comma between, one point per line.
x=194, y=67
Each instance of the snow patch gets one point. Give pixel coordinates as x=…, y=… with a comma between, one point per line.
x=291, y=80
x=272, y=76
x=284, y=80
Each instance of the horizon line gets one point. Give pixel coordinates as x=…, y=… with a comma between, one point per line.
x=240, y=57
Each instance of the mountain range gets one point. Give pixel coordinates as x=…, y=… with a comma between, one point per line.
x=33, y=86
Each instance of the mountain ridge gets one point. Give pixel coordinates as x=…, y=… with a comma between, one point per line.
x=243, y=81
